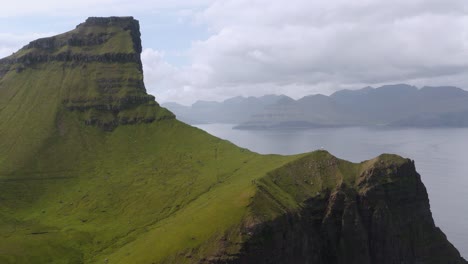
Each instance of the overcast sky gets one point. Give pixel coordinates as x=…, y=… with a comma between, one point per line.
x=211, y=50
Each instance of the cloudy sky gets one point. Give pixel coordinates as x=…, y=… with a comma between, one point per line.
x=211, y=50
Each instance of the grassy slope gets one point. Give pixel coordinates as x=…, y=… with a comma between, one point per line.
x=160, y=182
x=142, y=193
x=73, y=193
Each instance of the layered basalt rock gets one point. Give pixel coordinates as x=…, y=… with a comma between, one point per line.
x=68, y=56
x=127, y=23
x=106, y=101
x=49, y=49
x=382, y=217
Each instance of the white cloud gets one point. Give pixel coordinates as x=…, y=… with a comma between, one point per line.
x=308, y=46
x=159, y=75
x=296, y=48
x=59, y=8
x=156, y=69
x=10, y=43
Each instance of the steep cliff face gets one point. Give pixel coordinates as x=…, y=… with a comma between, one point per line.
x=380, y=215
x=113, y=39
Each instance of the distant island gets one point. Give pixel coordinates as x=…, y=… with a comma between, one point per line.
x=399, y=105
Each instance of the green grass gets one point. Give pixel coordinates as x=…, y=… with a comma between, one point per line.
x=77, y=193
x=131, y=189
x=147, y=193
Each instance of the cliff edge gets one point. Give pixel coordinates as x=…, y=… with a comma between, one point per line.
x=380, y=214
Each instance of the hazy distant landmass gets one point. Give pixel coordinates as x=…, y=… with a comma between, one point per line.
x=389, y=105
x=233, y=110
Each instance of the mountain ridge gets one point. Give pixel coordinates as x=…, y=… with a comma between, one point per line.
x=388, y=105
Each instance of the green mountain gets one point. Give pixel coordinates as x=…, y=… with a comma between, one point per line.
x=93, y=170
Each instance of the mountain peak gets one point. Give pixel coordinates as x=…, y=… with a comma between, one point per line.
x=127, y=23
x=109, y=21
x=102, y=39
x=100, y=71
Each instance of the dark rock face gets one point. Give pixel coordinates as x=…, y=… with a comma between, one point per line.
x=43, y=50
x=68, y=56
x=105, y=112
x=384, y=219
x=127, y=23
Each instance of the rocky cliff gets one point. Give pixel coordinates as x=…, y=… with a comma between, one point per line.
x=80, y=45
x=380, y=215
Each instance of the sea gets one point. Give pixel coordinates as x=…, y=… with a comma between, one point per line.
x=440, y=155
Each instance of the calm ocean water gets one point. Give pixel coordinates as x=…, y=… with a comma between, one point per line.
x=441, y=157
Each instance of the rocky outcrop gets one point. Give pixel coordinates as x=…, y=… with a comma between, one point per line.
x=108, y=113
x=48, y=49
x=383, y=218
x=68, y=56
x=4, y=69
x=127, y=23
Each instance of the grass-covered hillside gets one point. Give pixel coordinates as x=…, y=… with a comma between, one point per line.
x=73, y=188
x=93, y=170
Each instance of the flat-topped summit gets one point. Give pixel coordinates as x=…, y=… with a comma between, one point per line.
x=113, y=39
x=128, y=23
x=122, y=21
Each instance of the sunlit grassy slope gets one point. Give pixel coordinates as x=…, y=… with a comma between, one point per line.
x=71, y=192
x=170, y=183
x=92, y=170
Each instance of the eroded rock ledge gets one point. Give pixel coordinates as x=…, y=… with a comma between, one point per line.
x=127, y=23
x=384, y=218
x=50, y=49
x=68, y=56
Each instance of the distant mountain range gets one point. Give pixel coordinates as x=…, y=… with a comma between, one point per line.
x=390, y=105
x=233, y=111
